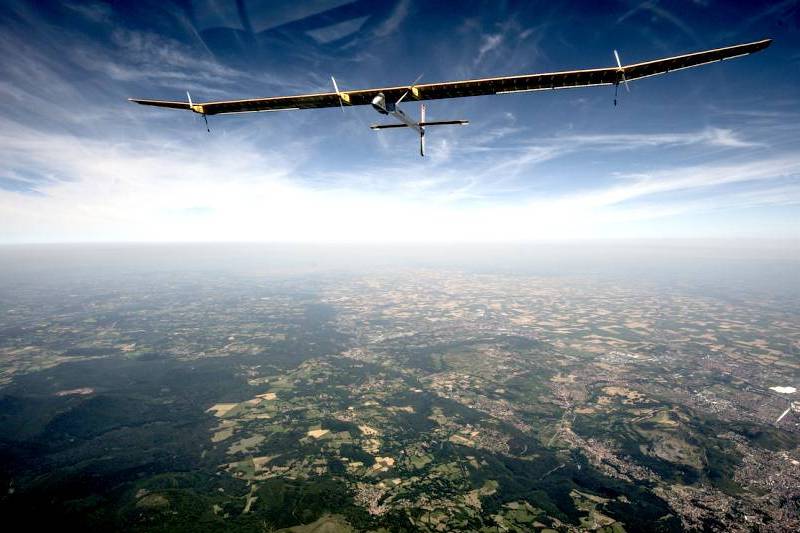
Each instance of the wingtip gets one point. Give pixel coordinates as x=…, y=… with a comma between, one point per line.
x=763, y=43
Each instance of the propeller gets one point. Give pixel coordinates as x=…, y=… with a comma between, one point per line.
x=342, y=96
x=619, y=64
x=410, y=87
x=624, y=80
x=191, y=106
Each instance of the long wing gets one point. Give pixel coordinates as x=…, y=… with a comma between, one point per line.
x=458, y=89
x=162, y=103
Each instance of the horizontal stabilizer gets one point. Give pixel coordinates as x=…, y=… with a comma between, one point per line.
x=437, y=123
x=445, y=123
x=387, y=126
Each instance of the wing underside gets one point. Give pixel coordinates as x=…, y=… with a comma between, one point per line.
x=479, y=87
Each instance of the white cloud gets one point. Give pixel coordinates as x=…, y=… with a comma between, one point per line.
x=488, y=43
x=96, y=12
x=513, y=160
x=720, y=137
x=683, y=179
x=142, y=56
x=229, y=189
x=337, y=31
x=391, y=24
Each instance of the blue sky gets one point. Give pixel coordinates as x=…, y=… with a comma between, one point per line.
x=712, y=152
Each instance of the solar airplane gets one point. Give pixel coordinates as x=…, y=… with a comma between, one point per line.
x=386, y=101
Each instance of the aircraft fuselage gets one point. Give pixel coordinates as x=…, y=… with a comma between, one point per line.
x=383, y=107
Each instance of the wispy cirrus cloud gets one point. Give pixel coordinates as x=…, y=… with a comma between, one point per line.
x=654, y=8
x=694, y=178
x=718, y=137
x=395, y=19
x=147, y=56
x=489, y=43
x=519, y=158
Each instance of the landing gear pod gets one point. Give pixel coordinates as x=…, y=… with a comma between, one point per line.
x=379, y=104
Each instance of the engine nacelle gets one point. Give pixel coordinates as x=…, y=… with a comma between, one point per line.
x=379, y=104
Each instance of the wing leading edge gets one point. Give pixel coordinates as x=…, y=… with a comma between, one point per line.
x=479, y=87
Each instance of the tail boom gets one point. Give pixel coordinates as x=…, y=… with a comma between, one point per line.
x=406, y=122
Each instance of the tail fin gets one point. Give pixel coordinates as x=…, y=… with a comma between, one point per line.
x=422, y=130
